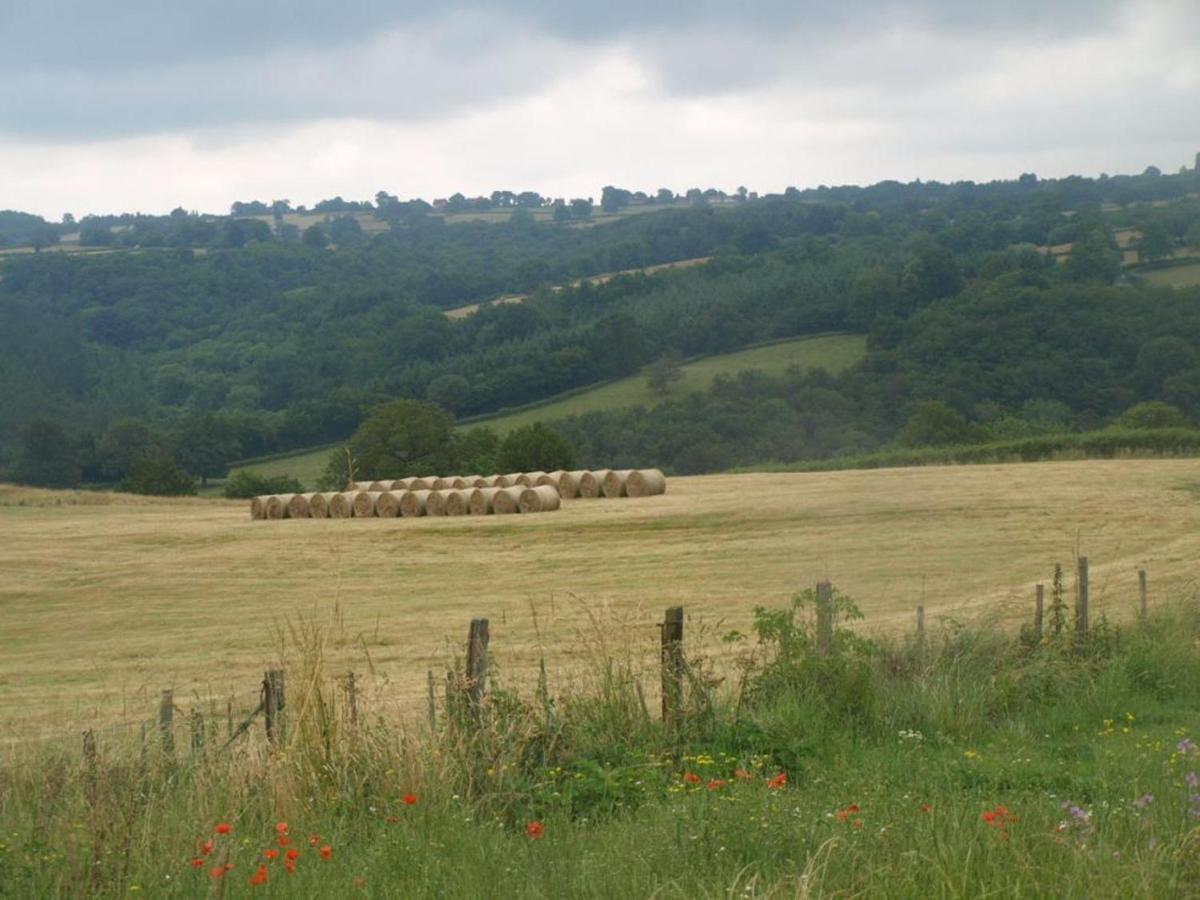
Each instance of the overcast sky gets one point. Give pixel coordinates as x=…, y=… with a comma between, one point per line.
x=144, y=105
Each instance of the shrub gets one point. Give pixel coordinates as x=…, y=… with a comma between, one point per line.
x=159, y=476
x=246, y=483
x=534, y=448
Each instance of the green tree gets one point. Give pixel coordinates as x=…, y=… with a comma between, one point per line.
x=1094, y=258
x=1155, y=242
x=478, y=450
x=315, y=236
x=397, y=439
x=613, y=199
x=535, y=448
x=246, y=483
x=934, y=424
x=205, y=445
x=159, y=476
x=124, y=444
x=664, y=372
x=1152, y=414
x=46, y=455
x=451, y=392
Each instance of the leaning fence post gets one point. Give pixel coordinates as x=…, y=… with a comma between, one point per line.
x=824, y=618
x=477, y=662
x=89, y=749
x=672, y=664
x=166, y=720
x=273, y=703
x=1039, y=611
x=1142, y=598
x=197, y=732
x=1081, y=600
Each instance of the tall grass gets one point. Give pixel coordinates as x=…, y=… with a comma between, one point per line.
x=891, y=752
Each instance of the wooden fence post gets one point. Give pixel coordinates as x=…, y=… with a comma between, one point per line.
x=197, y=732
x=824, y=618
x=229, y=719
x=89, y=749
x=921, y=624
x=166, y=721
x=1144, y=604
x=1039, y=611
x=273, y=703
x=477, y=662
x=1081, y=600
x=671, y=638
x=432, y=701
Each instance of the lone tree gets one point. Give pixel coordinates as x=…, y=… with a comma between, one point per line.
x=400, y=438
x=664, y=372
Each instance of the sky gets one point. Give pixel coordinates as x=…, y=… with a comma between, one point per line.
x=146, y=105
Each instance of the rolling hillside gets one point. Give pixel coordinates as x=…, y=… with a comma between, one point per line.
x=831, y=352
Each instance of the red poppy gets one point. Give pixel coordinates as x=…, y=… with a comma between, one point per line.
x=197, y=863
x=222, y=828
x=313, y=840
x=206, y=848
x=535, y=830
x=326, y=852
x=691, y=778
x=857, y=823
x=393, y=820
x=778, y=781
x=284, y=840
x=846, y=812
x=293, y=854
x=228, y=866
x=282, y=828
x=989, y=816
x=271, y=854
x=410, y=799
x=742, y=775
x=290, y=865
x=259, y=877
x=717, y=783
x=853, y=808
x=216, y=871
x=926, y=808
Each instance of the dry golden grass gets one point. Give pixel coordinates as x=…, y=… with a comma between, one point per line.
x=107, y=598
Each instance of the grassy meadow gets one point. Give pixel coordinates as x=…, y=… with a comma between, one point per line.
x=834, y=352
x=1187, y=275
x=109, y=598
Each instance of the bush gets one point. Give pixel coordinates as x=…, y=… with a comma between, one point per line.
x=159, y=476
x=246, y=483
x=535, y=448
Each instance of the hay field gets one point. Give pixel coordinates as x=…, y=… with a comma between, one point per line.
x=1187, y=275
x=108, y=598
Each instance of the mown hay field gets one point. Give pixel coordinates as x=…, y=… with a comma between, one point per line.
x=106, y=599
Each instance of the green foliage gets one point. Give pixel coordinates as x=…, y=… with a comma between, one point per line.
x=934, y=424
x=1151, y=414
x=46, y=456
x=398, y=439
x=478, y=450
x=159, y=476
x=535, y=448
x=246, y=483
x=664, y=372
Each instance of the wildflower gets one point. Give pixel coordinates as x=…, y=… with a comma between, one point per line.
x=1143, y=801
x=1187, y=745
x=1192, y=779
x=742, y=775
x=778, y=781
x=410, y=799
x=293, y=855
x=281, y=828
x=535, y=830
x=271, y=854
x=848, y=811
x=259, y=877
x=926, y=807
x=206, y=848
x=971, y=754
x=222, y=828
x=283, y=840
x=290, y=865
x=326, y=852
x=691, y=778
x=313, y=840
x=360, y=883
x=198, y=863
x=717, y=783
x=216, y=872
x=999, y=818
x=393, y=820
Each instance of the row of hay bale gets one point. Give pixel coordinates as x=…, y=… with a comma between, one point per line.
x=570, y=485
x=361, y=504
x=460, y=495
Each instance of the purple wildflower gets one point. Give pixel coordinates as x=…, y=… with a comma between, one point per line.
x=1192, y=779
x=1187, y=745
x=1143, y=801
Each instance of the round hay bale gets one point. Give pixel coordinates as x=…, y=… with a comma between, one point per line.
x=512, y=479
x=300, y=506
x=614, y=483
x=645, y=483
x=550, y=478
x=364, y=503
x=388, y=504
x=530, y=479
x=458, y=502
x=277, y=505
x=318, y=505
x=424, y=483
x=435, y=503
x=458, y=483
x=568, y=484
x=412, y=503
x=592, y=483
x=358, y=486
x=258, y=507
x=480, y=502
x=507, y=500
x=497, y=481
x=543, y=498
x=400, y=484
x=341, y=506
x=379, y=487
x=475, y=481
x=441, y=484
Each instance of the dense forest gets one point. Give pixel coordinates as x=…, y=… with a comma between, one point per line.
x=206, y=349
